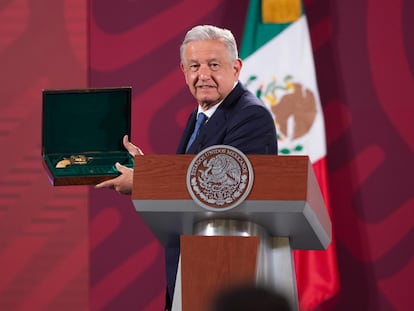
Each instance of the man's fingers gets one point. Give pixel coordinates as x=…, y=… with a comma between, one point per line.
x=106, y=184
x=121, y=168
x=132, y=149
x=139, y=151
x=125, y=141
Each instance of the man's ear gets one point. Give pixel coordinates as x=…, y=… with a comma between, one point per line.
x=238, y=64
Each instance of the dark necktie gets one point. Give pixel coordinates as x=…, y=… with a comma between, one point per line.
x=200, y=121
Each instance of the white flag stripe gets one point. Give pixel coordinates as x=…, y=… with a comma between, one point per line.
x=290, y=54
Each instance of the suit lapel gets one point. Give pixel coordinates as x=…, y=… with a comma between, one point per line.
x=220, y=116
x=216, y=122
x=187, y=132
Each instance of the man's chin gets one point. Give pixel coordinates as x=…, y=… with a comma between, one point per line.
x=207, y=105
x=207, y=100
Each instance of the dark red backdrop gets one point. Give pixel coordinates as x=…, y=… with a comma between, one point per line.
x=364, y=54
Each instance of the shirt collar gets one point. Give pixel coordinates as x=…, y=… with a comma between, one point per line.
x=209, y=112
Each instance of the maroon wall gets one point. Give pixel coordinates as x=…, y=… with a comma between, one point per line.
x=364, y=55
x=43, y=230
x=364, y=52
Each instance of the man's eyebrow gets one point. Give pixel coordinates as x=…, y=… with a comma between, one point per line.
x=207, y=61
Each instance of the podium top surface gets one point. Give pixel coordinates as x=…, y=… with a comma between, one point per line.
x=285, y=199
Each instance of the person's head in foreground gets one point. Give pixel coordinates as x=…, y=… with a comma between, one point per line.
x=249, y=298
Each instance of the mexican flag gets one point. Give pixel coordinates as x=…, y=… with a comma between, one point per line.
x=278, y=67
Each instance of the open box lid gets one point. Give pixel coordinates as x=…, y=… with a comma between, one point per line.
x=85, y=120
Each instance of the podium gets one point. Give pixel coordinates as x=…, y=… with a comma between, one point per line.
x=251, y=242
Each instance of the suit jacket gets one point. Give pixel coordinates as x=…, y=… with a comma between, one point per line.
x=241, y=121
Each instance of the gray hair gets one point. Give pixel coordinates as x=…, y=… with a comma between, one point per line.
x=208, y=32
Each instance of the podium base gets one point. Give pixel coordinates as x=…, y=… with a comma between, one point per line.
x=229, y=252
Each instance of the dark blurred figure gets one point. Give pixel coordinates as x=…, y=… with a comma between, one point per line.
x=249, y=298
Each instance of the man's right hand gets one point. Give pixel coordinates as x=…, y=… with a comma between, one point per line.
x=123, y=183
x=132, y=149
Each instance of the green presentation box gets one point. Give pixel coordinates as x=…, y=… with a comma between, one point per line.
x=82, y=131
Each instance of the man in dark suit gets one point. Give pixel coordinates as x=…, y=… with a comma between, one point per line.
x=240, y=121
x=233, y=115
x=227, y=113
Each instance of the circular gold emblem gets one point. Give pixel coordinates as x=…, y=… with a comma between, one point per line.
x=219, y=178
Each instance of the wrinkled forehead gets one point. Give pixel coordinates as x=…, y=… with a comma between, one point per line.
x=206, y=51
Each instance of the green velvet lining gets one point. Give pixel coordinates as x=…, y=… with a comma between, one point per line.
x=87, y=122
x=97, y=165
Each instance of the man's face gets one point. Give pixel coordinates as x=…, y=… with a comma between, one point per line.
x=209, y=72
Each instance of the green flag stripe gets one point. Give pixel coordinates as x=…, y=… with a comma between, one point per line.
x=256, y=33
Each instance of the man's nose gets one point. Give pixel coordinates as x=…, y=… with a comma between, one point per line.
x=204, y=71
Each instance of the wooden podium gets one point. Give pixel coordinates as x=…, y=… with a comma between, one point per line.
x=251, y=242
